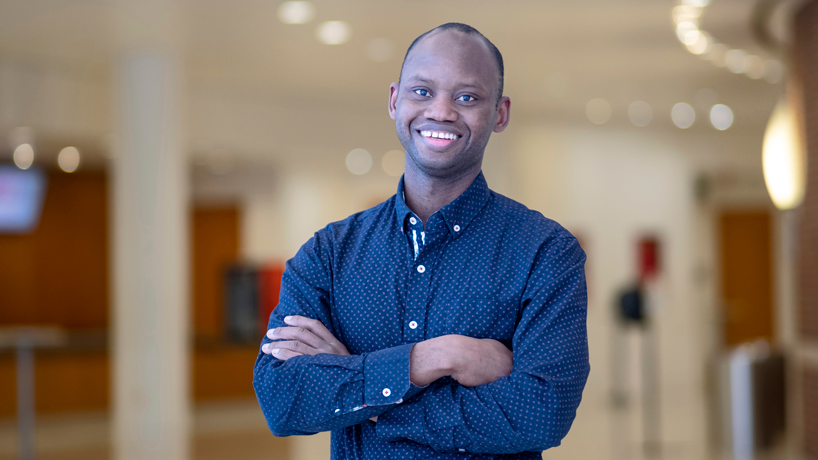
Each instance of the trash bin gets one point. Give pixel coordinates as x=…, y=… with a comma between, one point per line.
x=752, y=394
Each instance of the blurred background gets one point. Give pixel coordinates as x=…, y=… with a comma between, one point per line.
x=161, y=160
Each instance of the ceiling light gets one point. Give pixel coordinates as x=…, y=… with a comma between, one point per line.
x=393, y=162
x=640, y=113
x=359, y=162
x=24, y=156
x=598, y=111
x=684, y=29
x=736, y=60
x=773, y=71
x=69, y=159
x=697, y=3
x=683, y=115
x=700, y=44
x=754, y=67
x=721, y=117
x=296, y=12
x=717, y=53
x=334, y=32
x=784, y=158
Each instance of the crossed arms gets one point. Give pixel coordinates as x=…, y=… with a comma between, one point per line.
x=487, y=406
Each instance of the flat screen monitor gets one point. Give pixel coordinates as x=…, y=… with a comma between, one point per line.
x=21, y=199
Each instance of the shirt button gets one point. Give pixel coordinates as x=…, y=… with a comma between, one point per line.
x=457, y=228
x=413, y=221
x=386, y=392
x=421, y=269
x=413, y=325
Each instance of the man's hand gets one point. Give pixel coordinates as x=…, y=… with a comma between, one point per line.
x=304, y=336
x=472, y=362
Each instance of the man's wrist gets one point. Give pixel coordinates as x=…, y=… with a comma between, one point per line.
x=433, y=359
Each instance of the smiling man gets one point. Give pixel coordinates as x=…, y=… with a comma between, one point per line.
x=448, y=321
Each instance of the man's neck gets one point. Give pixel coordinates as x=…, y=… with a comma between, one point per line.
x=425, y=195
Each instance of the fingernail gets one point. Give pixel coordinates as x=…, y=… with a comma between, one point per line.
x=287, y=319
x=265, y=348
x=275, y=352
x=271, y=332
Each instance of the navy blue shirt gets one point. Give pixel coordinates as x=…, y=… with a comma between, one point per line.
x=484, y=266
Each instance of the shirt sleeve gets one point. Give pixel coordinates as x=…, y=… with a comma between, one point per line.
x=532, y=408
x=308, y=394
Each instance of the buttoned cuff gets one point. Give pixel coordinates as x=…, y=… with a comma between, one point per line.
x=406, y=421
x=386, y=375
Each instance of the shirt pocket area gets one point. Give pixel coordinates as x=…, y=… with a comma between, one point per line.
x=483, y=318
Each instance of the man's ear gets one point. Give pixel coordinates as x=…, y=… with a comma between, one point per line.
x=503, y=114
x=393, y=100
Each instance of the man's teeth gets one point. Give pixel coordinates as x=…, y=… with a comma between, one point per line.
x=439, y=135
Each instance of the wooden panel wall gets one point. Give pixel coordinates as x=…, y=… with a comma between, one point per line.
x=746, y=276
x=59, y=273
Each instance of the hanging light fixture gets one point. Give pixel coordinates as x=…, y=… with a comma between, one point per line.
x=783, y=157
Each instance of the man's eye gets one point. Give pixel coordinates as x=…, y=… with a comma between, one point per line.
x=422, y=92
x=465, y=98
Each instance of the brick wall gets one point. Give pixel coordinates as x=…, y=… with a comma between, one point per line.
x=810, y=394
x=805, y=75
x=805, y=80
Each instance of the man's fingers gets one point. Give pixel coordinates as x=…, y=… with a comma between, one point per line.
x=297, y=333
x=284, y=354
x=288, y=345
x=315, y=326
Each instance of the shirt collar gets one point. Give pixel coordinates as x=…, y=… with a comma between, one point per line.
x=459, y=213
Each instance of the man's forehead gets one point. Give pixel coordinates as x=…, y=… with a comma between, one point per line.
x=453, y=46
x=449, y=40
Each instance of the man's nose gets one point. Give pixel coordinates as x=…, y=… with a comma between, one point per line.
x=441, y=109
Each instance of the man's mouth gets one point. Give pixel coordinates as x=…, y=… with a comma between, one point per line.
x=439, y=135
x=438, y=139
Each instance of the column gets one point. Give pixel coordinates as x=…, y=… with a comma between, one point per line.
x=149, y=207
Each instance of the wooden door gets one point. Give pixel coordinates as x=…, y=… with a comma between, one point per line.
x=746, y=276
x=215, y=245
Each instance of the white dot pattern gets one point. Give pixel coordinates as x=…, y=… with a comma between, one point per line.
x=502, y=272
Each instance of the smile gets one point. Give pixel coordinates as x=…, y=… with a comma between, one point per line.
x=439, y=135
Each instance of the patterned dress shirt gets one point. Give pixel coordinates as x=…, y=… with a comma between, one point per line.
x=484, y=266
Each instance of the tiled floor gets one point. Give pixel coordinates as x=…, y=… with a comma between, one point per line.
x=236, y=430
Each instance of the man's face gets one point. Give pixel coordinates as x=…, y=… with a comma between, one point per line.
x=445, y=106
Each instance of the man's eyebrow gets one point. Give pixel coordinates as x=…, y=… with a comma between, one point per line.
x=419, y=79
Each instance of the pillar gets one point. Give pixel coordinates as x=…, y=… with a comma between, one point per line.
x=149, y=332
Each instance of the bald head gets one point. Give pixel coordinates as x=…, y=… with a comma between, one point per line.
x=470, y=32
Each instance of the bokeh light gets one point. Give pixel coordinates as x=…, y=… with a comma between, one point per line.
x=736, y=61
x=334, y=32
x=783, y=158
x=683, y=115
x=69, y=159
x=296, y=12
x=721, y=117
x=598, y=111
x=640, y=113
x=24, y=156
x=359, y=162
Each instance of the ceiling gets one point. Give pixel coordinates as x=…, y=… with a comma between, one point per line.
x=621, y=50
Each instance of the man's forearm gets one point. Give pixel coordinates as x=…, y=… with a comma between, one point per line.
x=470, y=361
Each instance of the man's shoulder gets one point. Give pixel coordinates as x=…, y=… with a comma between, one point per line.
x=529, y=221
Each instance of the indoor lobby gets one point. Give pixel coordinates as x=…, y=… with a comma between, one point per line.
x=161, y=160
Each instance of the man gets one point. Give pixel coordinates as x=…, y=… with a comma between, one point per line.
x=446, y=322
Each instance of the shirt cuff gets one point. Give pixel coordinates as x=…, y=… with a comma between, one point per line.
x=386, y=375
x=406, y=421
